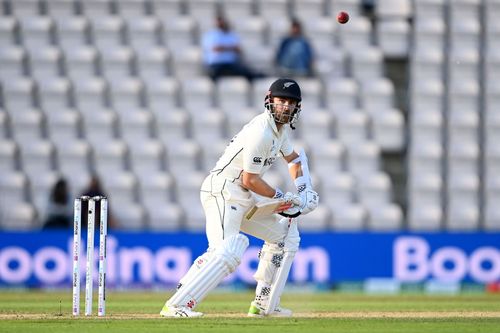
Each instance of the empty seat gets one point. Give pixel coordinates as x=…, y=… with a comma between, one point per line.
x=377, y=95
x=72, y=31
x=270, y=9
x=312, y=93
x=137, y=127
x=19, y=94
x=153, y=64
x=107, y=32
x=492, y=216
x=184, y=156
x=463, y=65
x=465, y=34
x=463, y=97
x=20, y=216
x=427, y=63
x=357, y=34
x=118, y=63
x=149, y=158
x=393, y=37
x=4, y=125
x=426, y=95
x=426, y=127
x=172, y=125
x=134, y=9
x=38, y=157
x=363, y=159
x=238, y=8
x=461, y=10
x=81, y=63
x=40, y=189
x=130, y=216
x=349, y=217
x=367, y=63
x=212, y=153
x=341, y=95
x=25, y=8
x=463, y=189
x=166, y=217
x=338, y=189
x=55, y=95
x=127, y=94
x=463, y=128
x=232, y=93
x=385, y=217
x=307, y=9
x=157, y=189
x=427, y=218
x=429, y=33
x=65, y=125
x=425, y=189
x=463, y=159
x=61, y=8
x=9, y=31
x=121, y=186
x=316, y=126
x=208, y=126
x=74, y=162
x=91, y=95
x=203, y=11
x=429, y=9
x=197, y=93
x=28, y=126
x=352, y=128
x=187, y=63
x=100, y=127
x=9, y=156
x=13, y=61
x=388, y=128
x=111, y=157
x=37, y=32
x=325, y=33
x=14, y=189
x=374, y=191
x=96, y=8
x=260, y=87
x=180, y=32
x=143, y=32
x=252, y=31
x=170, y=9
x=163, y=95
x=424, y=159
x=328, y=157
x=462, y=217
x=46, y=63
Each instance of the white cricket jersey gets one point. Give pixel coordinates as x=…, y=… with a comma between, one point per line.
x=254, y=149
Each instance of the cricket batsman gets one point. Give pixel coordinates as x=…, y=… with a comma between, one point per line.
x=233, y=187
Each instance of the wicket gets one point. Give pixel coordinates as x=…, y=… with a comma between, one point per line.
x=89, y=207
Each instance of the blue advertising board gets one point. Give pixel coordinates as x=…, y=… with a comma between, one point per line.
x=143, y=259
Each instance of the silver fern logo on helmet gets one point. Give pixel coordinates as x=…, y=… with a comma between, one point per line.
x=287, y=84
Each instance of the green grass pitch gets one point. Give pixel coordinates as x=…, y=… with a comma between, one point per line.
x=137, y=312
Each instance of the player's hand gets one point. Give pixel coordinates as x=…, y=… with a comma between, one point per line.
x=310, y=201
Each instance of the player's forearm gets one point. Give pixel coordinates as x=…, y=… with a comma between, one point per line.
x=258, y=186
x=295, y=170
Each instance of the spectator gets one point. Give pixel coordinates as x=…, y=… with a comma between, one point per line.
x=295, y=55
x=60, y=209
x=222, y=55
x=95, y=188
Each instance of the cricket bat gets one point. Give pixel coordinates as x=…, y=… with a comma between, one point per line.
x=266, y=208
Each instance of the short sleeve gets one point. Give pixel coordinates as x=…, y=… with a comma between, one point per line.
x=255, y=152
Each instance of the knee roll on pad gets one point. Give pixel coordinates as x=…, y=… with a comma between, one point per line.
x=231, y=250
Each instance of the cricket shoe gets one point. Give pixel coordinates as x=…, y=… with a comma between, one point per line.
x=179, y=312
x=256, y=310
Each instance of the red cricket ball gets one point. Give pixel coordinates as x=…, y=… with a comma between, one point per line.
x=342, y=17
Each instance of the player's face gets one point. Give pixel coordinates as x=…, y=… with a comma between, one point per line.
x=284, y=109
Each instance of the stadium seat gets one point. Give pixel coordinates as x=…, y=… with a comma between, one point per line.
x=367, y=64
x=203, y=11
x=46, y=63
x=187, y=63
x=127, y=94
x=363, y=159
x=168, y=9
x=9, y=31
x=149, y=158
x=81, y=63
x=232, y=93
x=197, y=93
x=463, y=189
x=91, y=95
x=65, y=125
x=134, y=9
x=26, y=8
x=28, y=126
x=212, y=152
x=236, y=120
x=19, y=94
x=461, y=10
x=425, y=159
x=118, y=63
x=111, y=157
x=180, y=32
x=328, y=157
x=426, y=127
x=353, y=7
x=56, y=94
x=463, y=159
x=427, y=63
x=377, y=95
x=130, y=216
x=19, y=216
x=107, y=32
x=425, y=218
x=137, y=127
x=238, y=8
x=317, y=220
x=374, y=191
x=308, y=9
x=463, y=65
x=352, y=128
x=270, y=9
x=9, y=156
x=462, y=217
x=393, y=9
x=163, y=95
x=357, y=34
x=349, y=217
x=208, y=126
x=187, y=155
x=100, y=127
x=388, y=128
x=96, y=8
x=37, y=32
x=13, y=61
x=426, y=95
x=172, y=125
x=143, y=32
x=61, y=8
x=188, y=197
x=393, y=37
x=75, y=162
x=463, y=128
x=121, y=187
x=312, y=93
x=465, y=34
x=153, y=64
x=338, y=189
x=431, y=9
x=316, y=126
x=14, y=189
x=425, y=189
x=429, y=34
x=342, y=95
x=40, y=190
x=72, y=31
x=385, y=217
x=166, y=217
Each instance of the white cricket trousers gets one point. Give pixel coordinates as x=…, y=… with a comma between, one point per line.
x=225, y=204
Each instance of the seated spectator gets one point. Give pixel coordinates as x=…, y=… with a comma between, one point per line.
x=295, y=55
x=95, y=188
x=222, y=55
x=60, y=208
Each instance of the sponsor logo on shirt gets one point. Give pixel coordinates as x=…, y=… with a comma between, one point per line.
x=269, y=161
x=257, y=160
